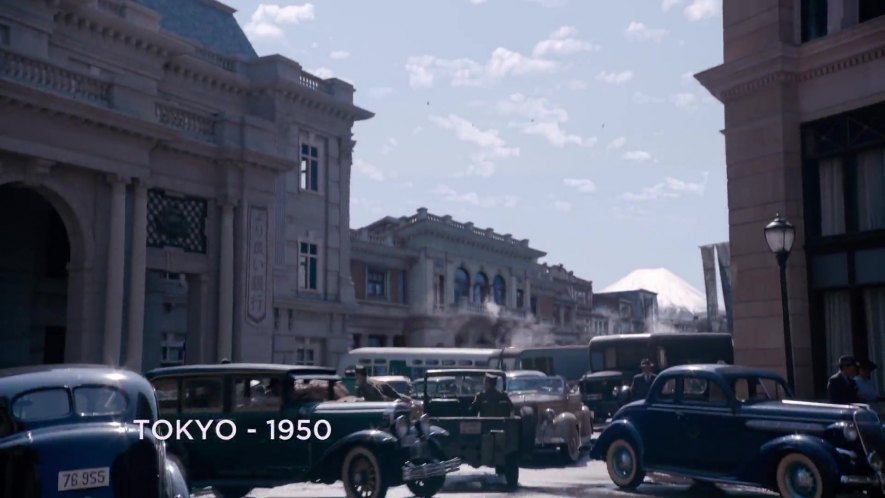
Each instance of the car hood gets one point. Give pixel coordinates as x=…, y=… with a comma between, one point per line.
x=533, y=399
x=801, y=410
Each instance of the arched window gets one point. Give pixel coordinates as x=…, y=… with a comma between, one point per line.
x=499, y=290
x=480, y=288
x=462, y=285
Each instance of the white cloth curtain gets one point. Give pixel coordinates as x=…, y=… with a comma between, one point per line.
x=874, y=300
x=870, y=189
x=837, y=321
x=832, y=197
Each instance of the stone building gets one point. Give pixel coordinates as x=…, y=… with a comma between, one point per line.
x=428, y=280
x=144, y=138
x=624, y=312
x=803, y=84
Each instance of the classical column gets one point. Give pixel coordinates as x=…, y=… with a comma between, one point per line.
x=113, y=309
x=135, y=338
x=226, y=282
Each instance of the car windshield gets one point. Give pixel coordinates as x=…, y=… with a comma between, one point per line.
x=46, y=404
x=457, y=385
x=552, y=385
x=401, y=387
x=758, y=389
x=99, y=400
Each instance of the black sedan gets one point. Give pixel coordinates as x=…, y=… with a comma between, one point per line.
x=728, y=424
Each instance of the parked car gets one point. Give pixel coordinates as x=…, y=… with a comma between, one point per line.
x=729, y=424
x=296, y=424
x=492, y=441
x=562, y=421
x=604, y=393
x=71, y=430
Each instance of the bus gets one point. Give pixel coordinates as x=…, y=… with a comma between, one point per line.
x=569, y=362
x=615, y=359
x=413, y=362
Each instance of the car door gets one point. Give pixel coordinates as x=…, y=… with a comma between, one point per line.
x=264, y=433
x=709, y=424
x=660, y=424
x=202, y=404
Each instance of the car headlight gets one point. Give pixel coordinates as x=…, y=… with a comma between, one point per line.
x=549, y=414
x=424, y=425
x=848, y=430
x=401, y=426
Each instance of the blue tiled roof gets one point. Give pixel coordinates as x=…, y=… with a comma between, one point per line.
x=200, y=22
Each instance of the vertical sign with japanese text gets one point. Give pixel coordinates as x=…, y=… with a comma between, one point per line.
x=256, y=275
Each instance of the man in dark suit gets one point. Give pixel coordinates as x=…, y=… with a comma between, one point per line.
x=841, y=388
x=491, y=402
x=642, y=381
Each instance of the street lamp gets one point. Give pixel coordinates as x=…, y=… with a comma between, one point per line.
x=780, y=235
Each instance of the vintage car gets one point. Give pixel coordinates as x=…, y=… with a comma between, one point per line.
x=603, y=393
x=562, y=421
x=729, y=424
x=72, y=431
x=495, y=438
x=294, y=424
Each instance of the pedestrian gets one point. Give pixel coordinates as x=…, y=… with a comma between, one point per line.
x=866, y=385
x=841, y=388
x=642, y=381
x=364, y=388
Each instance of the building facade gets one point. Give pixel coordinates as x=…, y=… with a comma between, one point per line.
x=624, y=312
x=428, y=280
x=163, y=190
x=803, y=84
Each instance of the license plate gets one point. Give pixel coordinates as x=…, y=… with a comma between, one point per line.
x=84, y=478
x=471, y=427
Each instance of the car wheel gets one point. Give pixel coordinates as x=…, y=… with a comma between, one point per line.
x=571, y=452
x=361, y=474
x=425, y=488
x=511, y=472
x=623, y=465
x=799, y=477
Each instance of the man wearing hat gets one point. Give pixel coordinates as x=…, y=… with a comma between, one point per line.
x=642, y=381
x=866, y=386
x=841, y=388
x=491, y=402
x=364, y=388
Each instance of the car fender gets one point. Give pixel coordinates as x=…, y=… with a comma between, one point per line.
x=762, y=468
x=563, y=423
x=617, y=429
x=176, y=487
x=586, y=421
x=374, y=439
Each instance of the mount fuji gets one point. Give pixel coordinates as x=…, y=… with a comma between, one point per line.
x=674, y=293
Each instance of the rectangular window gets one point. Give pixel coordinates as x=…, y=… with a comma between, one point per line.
x=308, y=263
x=257, y=394
x=871, y=190
x=291, y=323
x=520, y=298
x=167, y=395
x=202, y=394
x=377, y=341
x=376, y=283
x=310, y=168
x=357, y=340
x=832, y=197
x=837, y=324
x=871, y=9
x=814, y=19
x=172, y=348
x=668, y=391
x=276, y=319
x=305, y=356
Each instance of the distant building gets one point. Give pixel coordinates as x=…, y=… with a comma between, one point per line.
x=624, y=312
x=428, y=280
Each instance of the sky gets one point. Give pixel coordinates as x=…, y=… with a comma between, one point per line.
x=577, y=124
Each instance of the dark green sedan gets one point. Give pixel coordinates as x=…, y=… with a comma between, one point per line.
x=235, y=427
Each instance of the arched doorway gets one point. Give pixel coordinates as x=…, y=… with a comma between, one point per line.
x=34, y=255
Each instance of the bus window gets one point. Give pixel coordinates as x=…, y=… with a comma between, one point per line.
x=465, y=363
x=597, y=361
x=379, y=370
x=432, y=362
x=364, y=361
x=398, y=367
x=508, y=364
x=479, y=363
x=448, y=363
x=611, y=357
x=417, y=362
x=380, y=360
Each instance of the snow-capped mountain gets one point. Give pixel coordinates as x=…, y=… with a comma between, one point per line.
x=673, y=292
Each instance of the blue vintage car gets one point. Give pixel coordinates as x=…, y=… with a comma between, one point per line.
x=69, y=431
x=729, y=424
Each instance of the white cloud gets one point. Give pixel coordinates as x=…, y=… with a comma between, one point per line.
x=562, y=206
x=684, y=100
x=576, y=85
x=670, y=188
x=688, y=78
x=617, y=143
x=530, y=107
x=380, y=92
x=553, y=133
x=268, y=19
x=638, y=31
x=642, y=98
x=449, y=194
x=389, y=145
x=481, y=167
x=466, y=131
x=368, y=170
x=584, y=185
x=630, y=212
x=666, y=5
x=423, y=70
x=562, y=42
x=613, y=78
x=322, y=72
x=637, y=155
x=417, y=130
x=702, y=9
x=340, y=54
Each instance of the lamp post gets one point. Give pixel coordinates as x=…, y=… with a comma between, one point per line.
x=780, y=235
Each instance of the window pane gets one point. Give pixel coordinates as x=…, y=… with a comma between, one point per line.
x=837, y=324
x=314, y=176
x=201, y=395
x=313, y=274
x=99, y=401
x=257, y=394
x=167, y=395
x=832, y=198
x=871, y=190
x=668, y=390
x=303, y=175
x=47, y=404
x=305, y=149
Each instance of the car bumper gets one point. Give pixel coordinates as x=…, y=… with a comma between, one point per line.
x=412, y=472
x=868, y=482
